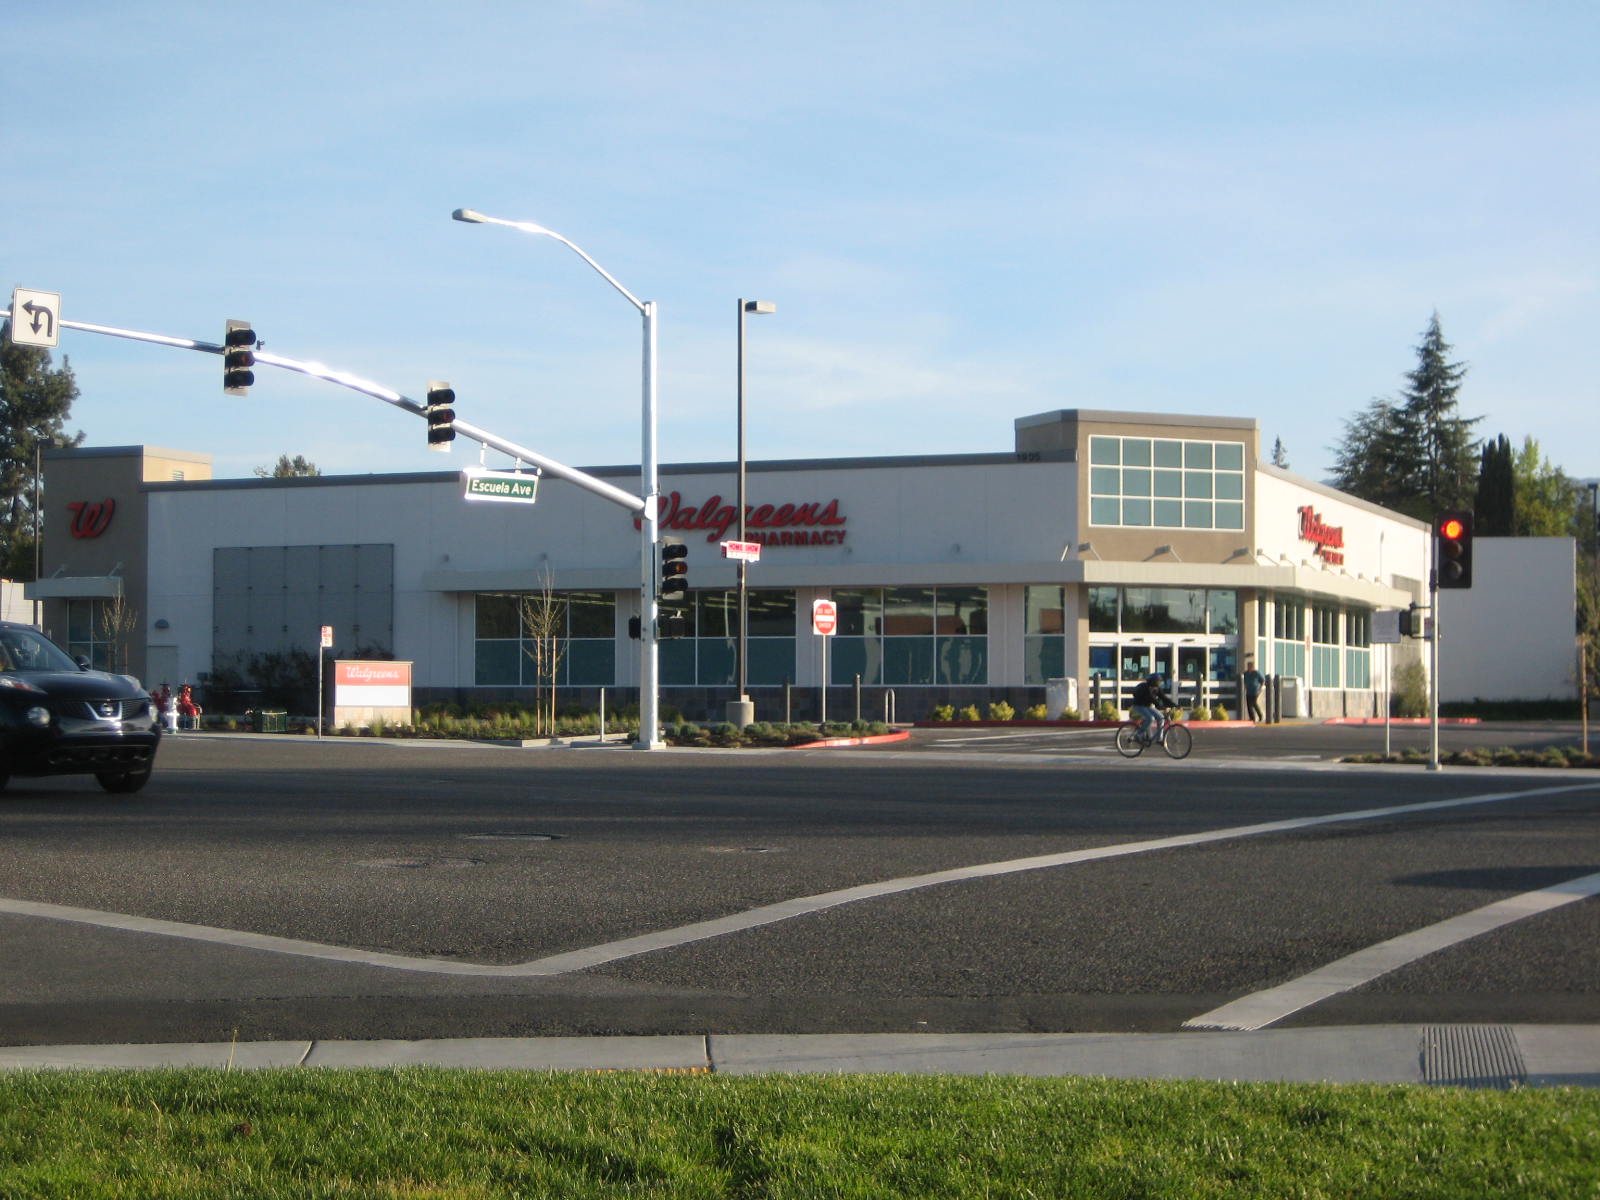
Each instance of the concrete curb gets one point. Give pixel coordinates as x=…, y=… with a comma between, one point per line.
x=1480, y=1056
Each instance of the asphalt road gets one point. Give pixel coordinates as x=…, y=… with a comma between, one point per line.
x=460, y=891
x=1287, y=742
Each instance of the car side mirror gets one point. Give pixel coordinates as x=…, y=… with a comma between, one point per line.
x=83, y=663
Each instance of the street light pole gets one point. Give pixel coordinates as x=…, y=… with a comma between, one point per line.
x=649, y=488
x=741, y=711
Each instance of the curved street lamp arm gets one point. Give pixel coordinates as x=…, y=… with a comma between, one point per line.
x=472, y=217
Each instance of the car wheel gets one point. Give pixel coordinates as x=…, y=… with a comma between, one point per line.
x=123, y=782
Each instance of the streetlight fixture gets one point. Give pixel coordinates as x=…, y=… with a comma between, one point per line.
x=742, y=712
x=649, y=488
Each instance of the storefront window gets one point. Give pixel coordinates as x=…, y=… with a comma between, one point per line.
x=1357, y=654
x=506, y=649
x=925, y=636
x=1223, y=604
x=1103, y=606
x=708, y=655
x=1289, y=637
x=1044, y=627
x=1164, y=610
x=1325, y=655
x=1165, y=483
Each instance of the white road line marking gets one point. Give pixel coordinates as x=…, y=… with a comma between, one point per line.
x=1260, y=1009
x=593, y=956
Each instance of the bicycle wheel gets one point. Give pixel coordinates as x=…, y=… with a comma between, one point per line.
x=1177, y=741
x=1128, y=743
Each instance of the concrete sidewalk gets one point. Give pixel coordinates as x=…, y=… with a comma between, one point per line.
x=1487, y=1056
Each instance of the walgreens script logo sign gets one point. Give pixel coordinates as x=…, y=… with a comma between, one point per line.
x=365, y=683
x=813, y=523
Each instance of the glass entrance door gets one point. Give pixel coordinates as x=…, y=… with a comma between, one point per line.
x=1190, y=685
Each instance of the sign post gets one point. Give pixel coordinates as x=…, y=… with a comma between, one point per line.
x=824, y=622
x=325, y=642
x=1386, y=633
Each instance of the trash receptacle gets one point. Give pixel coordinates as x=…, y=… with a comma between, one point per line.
x=271, y=722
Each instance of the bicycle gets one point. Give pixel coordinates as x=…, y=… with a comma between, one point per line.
x=1174, y=738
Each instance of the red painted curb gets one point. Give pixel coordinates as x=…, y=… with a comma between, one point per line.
x=1071, y=724
x=871, y=739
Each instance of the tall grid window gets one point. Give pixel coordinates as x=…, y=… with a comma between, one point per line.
x=911, y=635
x=1166, y=483
x=1044, y=643
x=1325, y=654
x=1358, y=649
x=1289, y=636
x=89, y=632
x=505, y=652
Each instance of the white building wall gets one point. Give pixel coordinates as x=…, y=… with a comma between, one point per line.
x=908, y=523
x=1513, y=634
x=1378, y=544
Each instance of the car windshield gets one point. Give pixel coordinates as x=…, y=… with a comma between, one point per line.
x=25, y=650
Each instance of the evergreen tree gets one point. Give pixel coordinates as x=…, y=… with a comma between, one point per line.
x=1445, y=455
x=35, y=402
x=289, y=468
x=1280, y=456
x=1371, y=461
x=1415, y=454
x=1496, y=505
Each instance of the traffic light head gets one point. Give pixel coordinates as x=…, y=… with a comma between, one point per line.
x=674, y=570
x=441, y=414
x=1453, y=535
x=238, y=356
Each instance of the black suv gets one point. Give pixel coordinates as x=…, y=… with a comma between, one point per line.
x=58, y=717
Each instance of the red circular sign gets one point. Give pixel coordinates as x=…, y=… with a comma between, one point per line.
x=824, y=616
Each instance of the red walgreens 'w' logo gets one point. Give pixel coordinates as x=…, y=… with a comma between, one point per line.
x=90, y=520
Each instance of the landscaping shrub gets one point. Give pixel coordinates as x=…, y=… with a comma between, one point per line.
x=1001, y=711
x=970, y=713
x=943, y=712
x=1410, y=691
x=1107, y=712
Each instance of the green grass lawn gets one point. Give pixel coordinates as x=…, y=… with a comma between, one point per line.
x=414, y=1133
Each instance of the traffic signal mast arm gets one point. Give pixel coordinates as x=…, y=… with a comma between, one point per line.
x=377, y=391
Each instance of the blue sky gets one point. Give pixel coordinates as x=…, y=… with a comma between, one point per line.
x=965, y=213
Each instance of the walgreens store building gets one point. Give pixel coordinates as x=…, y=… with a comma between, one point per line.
x=1103, y=546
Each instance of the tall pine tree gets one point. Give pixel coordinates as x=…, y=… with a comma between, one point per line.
x=1446, y=457
x=1414, y=454
x=35, y=402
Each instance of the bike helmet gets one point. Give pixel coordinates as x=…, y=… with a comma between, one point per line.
x=1154, y=680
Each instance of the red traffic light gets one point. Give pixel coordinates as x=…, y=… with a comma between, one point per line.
x=1453, y=549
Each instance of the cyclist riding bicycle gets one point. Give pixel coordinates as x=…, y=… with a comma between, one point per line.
x=1148, y=701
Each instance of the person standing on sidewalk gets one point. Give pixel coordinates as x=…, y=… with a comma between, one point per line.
x=1254, y=681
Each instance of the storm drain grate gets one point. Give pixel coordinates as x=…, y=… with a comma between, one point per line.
x=1481, y=1056
x=510, y=837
